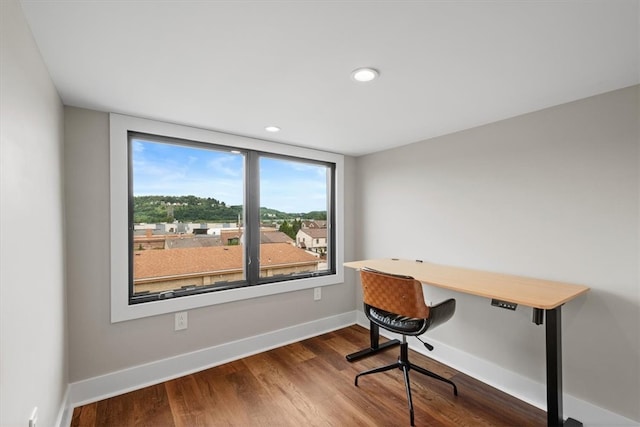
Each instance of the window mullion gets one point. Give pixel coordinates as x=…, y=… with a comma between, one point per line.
x=252, y=217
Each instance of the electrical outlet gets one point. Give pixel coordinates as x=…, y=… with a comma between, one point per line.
x=181, y=321
x=33, y=419
x=317, y=294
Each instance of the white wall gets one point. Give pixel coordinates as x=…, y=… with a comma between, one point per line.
x=553, y=194
x=33, y=365
x=96, y=346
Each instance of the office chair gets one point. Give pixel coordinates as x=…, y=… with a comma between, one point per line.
x=396, y=304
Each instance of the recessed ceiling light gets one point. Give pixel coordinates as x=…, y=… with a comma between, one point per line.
x=364, y=74
x=272, y=129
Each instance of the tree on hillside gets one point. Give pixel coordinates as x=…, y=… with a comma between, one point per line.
x=287, y=229
x=292, y=229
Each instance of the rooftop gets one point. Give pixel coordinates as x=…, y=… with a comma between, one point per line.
x=176, y=262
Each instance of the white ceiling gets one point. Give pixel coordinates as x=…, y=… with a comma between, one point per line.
x=238, y=66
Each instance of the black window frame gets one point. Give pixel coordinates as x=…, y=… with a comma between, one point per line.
x=251, y=220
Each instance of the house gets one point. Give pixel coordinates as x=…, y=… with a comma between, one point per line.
x=312, y=239
x=273, y=236
x=314, y=224
x=500, y=136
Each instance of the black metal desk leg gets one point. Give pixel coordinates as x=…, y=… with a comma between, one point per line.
x=554, y=369
x=374, y=336
x=554, y=366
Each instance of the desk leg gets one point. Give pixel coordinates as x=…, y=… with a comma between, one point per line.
x=554, y=369
x=374, y=336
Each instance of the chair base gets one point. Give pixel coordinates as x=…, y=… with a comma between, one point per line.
x=405, y=366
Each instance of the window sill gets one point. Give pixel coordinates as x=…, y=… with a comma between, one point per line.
x=122, y=311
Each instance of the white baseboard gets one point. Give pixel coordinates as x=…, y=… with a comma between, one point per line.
x=119, y=382
x=64, y=413
x=510, y=382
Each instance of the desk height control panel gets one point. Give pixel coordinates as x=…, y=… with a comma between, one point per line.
x=503, y=304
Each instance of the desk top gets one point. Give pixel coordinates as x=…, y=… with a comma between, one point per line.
x=530, y=292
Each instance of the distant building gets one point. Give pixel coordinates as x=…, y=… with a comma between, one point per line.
x=230, y=237
x=147, y=238
x=160, y=270
x=268, y=235
x=276, y=237
x=193, y=241
x=314, y=224
x=313, y=240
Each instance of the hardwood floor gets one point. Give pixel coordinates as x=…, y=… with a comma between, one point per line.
x=310, y=383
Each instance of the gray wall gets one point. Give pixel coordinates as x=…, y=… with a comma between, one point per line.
x=553, y=194
x=33, y=365
x=95, y=345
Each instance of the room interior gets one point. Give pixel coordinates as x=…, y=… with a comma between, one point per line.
x=500, y=136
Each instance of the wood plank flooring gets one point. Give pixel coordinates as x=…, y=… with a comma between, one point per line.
x=310, y=383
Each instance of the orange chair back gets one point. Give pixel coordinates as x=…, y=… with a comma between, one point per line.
x=395, y=294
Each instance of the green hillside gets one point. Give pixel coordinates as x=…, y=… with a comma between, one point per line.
x=156, y=209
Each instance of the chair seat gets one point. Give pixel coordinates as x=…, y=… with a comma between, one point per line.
x=395, y=322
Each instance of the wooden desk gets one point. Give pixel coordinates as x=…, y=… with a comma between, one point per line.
x=544, y=296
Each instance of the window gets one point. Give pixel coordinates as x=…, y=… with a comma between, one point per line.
x=200, y=218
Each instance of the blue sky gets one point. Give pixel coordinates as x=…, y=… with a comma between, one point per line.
x=177, y=170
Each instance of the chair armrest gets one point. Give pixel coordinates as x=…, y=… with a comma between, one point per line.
x=440, y=313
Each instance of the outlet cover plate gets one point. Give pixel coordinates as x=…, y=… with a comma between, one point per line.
x=181, y=321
